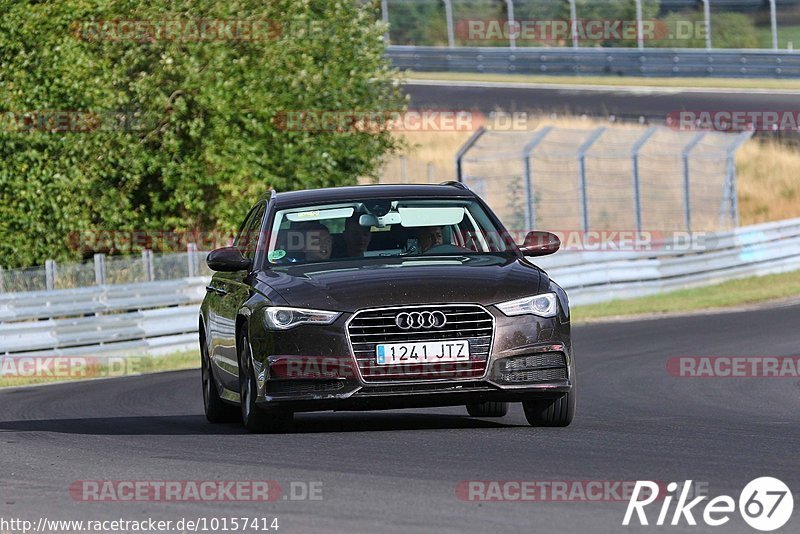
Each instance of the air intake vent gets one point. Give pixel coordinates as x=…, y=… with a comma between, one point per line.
x=293, y=387
x=542, y=367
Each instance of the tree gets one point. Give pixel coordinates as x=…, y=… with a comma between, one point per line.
x=204, y=140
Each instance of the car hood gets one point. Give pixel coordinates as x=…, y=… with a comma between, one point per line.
x=369, y=283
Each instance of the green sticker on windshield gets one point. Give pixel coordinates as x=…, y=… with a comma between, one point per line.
x=277, y=254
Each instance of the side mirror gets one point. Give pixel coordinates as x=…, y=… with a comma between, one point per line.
x=228, y=259
x=540, y=244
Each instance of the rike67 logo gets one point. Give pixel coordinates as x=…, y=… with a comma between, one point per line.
x=765, y=504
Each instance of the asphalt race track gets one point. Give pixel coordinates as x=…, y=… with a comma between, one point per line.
x=397, y=471
x=654, y=104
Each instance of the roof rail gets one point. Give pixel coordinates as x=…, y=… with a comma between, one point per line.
x=272, y=194
x=459, y=185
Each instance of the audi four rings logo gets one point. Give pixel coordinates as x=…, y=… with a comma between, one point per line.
x=420, y=320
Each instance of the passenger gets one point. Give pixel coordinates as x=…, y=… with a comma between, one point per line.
x=429, y=237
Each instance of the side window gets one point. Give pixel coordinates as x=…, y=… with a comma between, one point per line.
x=241, y=238
x=253, y=232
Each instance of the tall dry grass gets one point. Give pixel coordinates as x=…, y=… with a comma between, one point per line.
x=768, y=173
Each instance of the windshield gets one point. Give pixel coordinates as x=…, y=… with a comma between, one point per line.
x=383, y=228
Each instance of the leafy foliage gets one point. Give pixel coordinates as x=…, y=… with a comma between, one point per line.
x=208, y=144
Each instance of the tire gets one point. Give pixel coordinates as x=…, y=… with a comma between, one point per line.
x=550, y=412
x=255, y=419
x=488, y=409
x=216, y=410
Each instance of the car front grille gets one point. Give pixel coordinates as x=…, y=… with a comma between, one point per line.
x=465, y=322
x=542, y=367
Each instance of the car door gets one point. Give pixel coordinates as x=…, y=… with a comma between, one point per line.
x=232, y=290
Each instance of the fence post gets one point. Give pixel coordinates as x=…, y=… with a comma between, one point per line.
x=573, y=23
x=639, y=25
x=448, y=13
x=687, y=192
x=707, y=16
x=773, y=17
x=637, y=193
x=463, y=151
x=2, y=281
x=147, y=264
x=733, y=198
x=385, y=18
x=100, y=269
x=50, y=274
x=530, y=206
x=191, y=253
x=512, y=38
x=584, y=198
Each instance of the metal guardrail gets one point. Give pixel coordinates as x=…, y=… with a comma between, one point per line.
x=116, y=319
x=162, y=316
x=602, y=276
x=663, y=62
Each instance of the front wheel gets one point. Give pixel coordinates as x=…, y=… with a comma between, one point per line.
x=255, y=419
x=216, y=410
x=550, y=412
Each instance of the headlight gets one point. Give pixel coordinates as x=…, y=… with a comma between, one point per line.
x=544, y=305
x=283, y=318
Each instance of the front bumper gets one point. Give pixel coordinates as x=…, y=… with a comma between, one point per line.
x=312, y=368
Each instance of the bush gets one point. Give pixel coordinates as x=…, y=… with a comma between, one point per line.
x=728, y=30
x=209, y=143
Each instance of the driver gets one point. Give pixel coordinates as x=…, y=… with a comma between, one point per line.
x=317, y=241
x=429, y=237
x=355, y=240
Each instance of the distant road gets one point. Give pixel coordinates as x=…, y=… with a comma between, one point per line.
x=652, y=103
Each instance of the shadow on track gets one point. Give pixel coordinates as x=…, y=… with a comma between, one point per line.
x=197, y=425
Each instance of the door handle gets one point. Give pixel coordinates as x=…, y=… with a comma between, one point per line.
x=216, y=290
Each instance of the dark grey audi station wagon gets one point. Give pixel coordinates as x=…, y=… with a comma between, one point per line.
x=382, y=297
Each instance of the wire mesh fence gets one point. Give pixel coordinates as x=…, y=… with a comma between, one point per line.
x=404, y=170
x=104, y=269
x=713, y=24
x=607, y=178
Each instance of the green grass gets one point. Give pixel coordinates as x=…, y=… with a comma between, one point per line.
x=734, y=293
x=120, y=366
x=721, y=83
x=786, y=34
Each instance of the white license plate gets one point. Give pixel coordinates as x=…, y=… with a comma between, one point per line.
x=431, y=351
